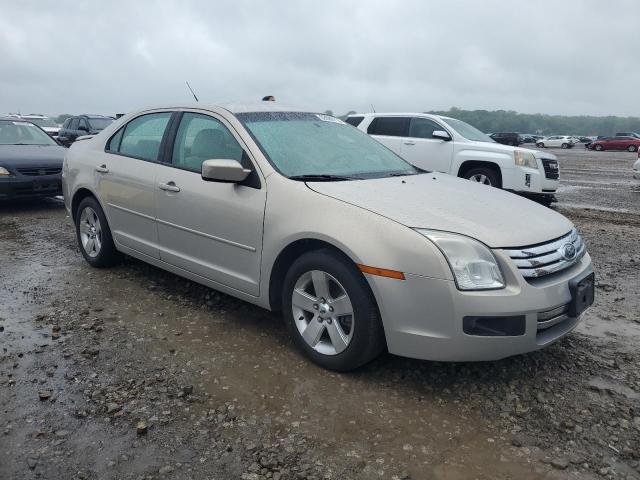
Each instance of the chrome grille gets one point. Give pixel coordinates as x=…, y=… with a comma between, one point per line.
x=540, y=260
x=553, y=317
x=551, y=170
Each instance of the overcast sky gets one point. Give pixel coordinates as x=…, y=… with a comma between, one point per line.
x=560, y=56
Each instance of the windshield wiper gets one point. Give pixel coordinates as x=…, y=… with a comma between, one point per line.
x=322, y=178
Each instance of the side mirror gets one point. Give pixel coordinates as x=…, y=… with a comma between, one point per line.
x=441, y=134
x=224, y=170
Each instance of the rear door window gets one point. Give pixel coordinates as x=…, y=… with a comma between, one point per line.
x=389, y=126
x=142, y=136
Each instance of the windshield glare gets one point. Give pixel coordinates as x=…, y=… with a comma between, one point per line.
x=468, y=131
x=300, y=144
x=23, y=133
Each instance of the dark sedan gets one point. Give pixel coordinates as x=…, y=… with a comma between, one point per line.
x=30, y=161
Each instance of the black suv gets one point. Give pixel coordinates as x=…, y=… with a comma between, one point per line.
x=509, y=138
x=79, y=125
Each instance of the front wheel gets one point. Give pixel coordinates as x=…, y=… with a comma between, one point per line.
x=540, y=145
x=599, y=148
x=564, y=145
x=94, y=235
x=485, y=176
x=331, y=312
x=632, y=148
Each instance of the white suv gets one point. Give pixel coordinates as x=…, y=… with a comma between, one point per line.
x=448, y=145
x=557, y=141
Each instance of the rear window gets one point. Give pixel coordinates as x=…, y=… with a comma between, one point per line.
x=355, y=121
x=389, y=126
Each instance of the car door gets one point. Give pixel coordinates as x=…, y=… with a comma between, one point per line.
x=211, y=229
x=127, y=181
x=422, y=150
x=390, y=131
x=72, y=133
x=619, y=143
x=83, y=127
x=553, y=141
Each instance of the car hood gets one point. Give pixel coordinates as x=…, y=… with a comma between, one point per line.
x=443, y=202
x=506, y=149
x=36, y=155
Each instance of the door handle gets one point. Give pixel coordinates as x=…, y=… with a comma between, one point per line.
x=102, y=169
x=169, y=187
x=408, y=142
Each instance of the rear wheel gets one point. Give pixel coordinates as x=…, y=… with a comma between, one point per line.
x=565, y=145
x=540, y=145
x=331, y=312
x=94, y=235
x=483, y=175
x=632, y=148
x=599, y=148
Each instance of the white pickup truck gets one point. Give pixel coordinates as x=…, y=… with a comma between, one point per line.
x=448, y=145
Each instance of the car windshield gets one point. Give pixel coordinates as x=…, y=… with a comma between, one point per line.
x=22, y=133
x=321, y=146
x=42, y=122
x=467, y=131
x=100, y=123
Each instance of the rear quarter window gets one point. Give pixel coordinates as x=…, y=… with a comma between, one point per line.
x=389, y=126
x=355, y=121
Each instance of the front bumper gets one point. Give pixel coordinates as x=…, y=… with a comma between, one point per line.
x=25, y=187
x=544, y=180
x=423, y=317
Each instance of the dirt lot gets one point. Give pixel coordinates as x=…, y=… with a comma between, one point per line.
x=133, y=373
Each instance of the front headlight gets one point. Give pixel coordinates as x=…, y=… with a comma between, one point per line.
x=473, y=265
x=4, y=172
x=525, y=159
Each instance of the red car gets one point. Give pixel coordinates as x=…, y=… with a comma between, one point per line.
x=616, y=143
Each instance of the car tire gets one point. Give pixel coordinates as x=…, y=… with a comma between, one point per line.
x=483, y=175
x=360, y=336
x=94, y=235
x=540, y=145
x=599, y=148
x=564, y=145
x=632, y=148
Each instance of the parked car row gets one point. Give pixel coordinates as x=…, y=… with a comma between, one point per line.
x=361, y=250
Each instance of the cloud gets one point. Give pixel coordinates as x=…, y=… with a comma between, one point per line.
x=570, y=57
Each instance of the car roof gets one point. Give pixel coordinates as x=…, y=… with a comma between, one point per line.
x=15, y=119
x=230, y=107
x=87, y=115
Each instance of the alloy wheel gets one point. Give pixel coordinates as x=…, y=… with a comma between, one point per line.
x=480, y=178
x=323, y=312
x=90, y=232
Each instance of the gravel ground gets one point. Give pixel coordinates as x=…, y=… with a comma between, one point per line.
x=134, y=373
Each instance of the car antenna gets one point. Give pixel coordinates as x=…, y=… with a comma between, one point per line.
x=191, y=90
x=374, y=110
